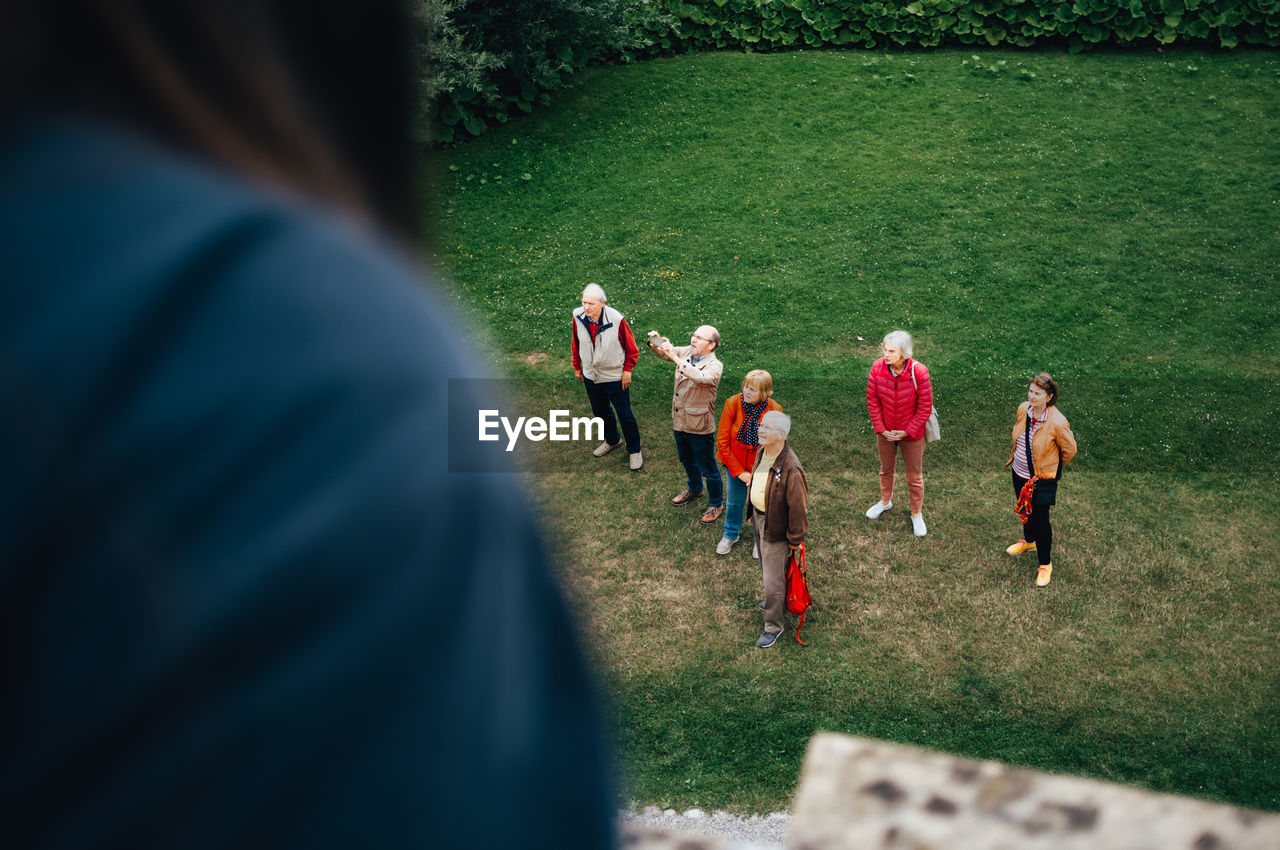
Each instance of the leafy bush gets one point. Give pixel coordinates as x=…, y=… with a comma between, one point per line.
x=782, y=24
x=482, y=61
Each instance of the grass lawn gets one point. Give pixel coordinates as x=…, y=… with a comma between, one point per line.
x=1112, y=218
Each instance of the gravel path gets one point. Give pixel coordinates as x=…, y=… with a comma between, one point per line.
x=732, y=832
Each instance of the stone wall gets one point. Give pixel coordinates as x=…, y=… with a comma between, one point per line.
x=858, y=794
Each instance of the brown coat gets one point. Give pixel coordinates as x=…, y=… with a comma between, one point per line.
x=693, y=404
x=786, y=498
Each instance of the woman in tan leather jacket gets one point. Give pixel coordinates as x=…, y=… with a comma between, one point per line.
x=1042, y=445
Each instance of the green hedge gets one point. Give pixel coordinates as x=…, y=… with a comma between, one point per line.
x=783, y=24
x=484, y=61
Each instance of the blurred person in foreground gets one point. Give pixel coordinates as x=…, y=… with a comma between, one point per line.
x=693, y=415
x=243, y=601
x=778, y=505
x=1042, y=445
x=737, y=441
x=604, y=353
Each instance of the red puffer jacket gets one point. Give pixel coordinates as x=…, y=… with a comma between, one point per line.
x=893, y=402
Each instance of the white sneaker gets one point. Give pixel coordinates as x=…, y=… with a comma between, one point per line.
x=604, y=448
x=755, y=550
x=917, y=525
x=635, y=462
x=878, y=508
x=725, y=544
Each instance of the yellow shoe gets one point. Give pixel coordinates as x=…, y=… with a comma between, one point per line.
x=1042, y=575
x=1020, y=547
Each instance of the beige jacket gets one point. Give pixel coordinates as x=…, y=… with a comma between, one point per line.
x=693, y=405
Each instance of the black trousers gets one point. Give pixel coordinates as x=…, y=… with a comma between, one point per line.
x=607, y=393
x=1037, y=530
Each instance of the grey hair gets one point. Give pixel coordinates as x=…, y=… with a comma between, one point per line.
x=780, y=420
x=595, y=290
x=900, y=340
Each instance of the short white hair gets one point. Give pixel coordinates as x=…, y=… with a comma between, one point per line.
x=596, y=291
x=778, y=420
x=900, y=340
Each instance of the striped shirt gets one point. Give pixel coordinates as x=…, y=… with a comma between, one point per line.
x=1020, y=466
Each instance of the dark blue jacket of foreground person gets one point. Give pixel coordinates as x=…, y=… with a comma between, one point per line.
x=242, y=600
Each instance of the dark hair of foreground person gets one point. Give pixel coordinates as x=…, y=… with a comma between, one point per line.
x=243, y=602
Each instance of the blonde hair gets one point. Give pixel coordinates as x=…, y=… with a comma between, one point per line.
x=761, y=381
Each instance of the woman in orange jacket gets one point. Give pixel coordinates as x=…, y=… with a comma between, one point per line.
x=736, y=446
x=1042, y=446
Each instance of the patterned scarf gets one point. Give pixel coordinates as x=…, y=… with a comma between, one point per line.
x=1026, y=497
x=748, y=434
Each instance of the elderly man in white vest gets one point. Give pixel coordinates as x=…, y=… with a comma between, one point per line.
x=604, y=353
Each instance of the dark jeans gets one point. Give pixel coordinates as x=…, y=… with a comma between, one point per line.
x=697, y=452
x=611, y=392
x=1037, y=530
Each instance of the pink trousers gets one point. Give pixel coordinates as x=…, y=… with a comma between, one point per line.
x=912, y=457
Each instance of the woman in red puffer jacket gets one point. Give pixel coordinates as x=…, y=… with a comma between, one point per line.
x=899, y=399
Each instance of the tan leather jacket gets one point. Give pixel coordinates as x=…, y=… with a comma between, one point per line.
x=693, y=404
x=1052, y=440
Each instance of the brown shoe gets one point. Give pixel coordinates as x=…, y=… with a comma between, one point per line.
x=684, y=498
x=712, y=514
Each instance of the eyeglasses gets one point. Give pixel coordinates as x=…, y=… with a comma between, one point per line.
x=703, y=338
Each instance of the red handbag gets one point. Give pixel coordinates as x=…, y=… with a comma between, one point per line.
x=798, y=598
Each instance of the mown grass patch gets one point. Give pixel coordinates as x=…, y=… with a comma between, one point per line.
x=1112, y=219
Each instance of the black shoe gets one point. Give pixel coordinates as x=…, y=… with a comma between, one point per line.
x=767, y=639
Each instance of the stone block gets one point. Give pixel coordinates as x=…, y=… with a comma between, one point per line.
x=858, y=794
